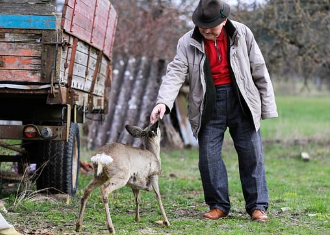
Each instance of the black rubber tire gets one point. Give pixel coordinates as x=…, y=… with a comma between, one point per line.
x=60, y=167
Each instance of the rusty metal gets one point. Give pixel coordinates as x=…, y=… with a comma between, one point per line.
x=70, y=93
x=66, y=64
x=107, y=26
x=58, y=96
x=108, y=78
x=87, y=64
x=73, y=14
x=16, y=132
x=93, y=24
x=96, y=71
x=64, y=43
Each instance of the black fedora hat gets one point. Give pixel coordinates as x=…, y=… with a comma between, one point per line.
x=210, y=13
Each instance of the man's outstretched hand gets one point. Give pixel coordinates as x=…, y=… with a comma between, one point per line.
x=157, y=113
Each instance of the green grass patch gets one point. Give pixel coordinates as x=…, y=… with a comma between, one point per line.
x=299, y=196
x=299, y=118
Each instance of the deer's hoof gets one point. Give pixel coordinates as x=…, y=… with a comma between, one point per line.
x=111, y=230
x=78, y=227
x=161, y=222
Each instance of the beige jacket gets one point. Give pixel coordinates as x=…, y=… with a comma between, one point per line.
x=247, y=65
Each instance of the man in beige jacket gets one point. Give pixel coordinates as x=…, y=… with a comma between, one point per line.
x=229, y=87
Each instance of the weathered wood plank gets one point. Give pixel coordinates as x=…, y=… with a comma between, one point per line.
x=104, y=66
x=20, y=75
x=19, y=37
x=27, y=21
x=11, y=49
x=78, y=20
x=21, y=63
x=79, y=70
x=28, y=7
x=77, y=31
x=100, y=23
x=85, y=60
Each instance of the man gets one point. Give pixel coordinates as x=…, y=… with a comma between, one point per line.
x=229, y=87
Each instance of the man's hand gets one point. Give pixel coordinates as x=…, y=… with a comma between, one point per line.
x=157, y=113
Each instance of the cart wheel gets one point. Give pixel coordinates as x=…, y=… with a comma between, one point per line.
x=60, y=167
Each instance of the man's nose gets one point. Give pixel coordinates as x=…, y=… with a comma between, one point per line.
x=207, y=30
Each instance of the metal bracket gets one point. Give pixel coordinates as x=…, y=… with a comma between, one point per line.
x=48, y=55
x=64, y=43
x=70, y=93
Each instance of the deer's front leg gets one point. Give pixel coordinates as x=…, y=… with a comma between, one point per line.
x=154, y=183
x=137, y=204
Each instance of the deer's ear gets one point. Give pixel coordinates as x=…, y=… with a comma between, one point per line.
x=134, y=131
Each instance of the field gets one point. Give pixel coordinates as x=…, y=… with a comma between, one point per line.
x=299, y=190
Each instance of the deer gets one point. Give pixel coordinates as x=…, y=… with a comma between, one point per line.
x=117, y=165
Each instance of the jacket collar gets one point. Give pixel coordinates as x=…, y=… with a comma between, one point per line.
x=231, y=29
x=197, y=35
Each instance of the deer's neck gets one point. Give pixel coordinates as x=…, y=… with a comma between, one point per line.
x=154, y=149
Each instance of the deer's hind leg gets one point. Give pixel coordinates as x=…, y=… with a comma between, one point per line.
x=89, y=189
x=106, y=189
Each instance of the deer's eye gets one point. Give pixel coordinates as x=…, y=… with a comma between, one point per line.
x=151, y=134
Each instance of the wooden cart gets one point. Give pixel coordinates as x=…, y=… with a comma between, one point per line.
x=55, y=67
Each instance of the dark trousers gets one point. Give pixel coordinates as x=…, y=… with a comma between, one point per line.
x=248, y=145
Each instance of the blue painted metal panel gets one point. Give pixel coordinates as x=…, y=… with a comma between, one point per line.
x=27, y=22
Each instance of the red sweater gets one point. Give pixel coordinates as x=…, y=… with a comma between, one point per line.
x=219, y=66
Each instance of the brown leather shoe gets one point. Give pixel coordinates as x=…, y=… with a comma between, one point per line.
x=259, y=215
x=215, y=214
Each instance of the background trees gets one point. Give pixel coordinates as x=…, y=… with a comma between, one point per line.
x=294, y=35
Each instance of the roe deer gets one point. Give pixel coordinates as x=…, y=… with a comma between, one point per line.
x=117, y=165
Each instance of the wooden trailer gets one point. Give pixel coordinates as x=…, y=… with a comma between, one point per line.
x=55, y=67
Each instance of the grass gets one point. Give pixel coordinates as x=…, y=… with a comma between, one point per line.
x=299, y=118
x=298, y=190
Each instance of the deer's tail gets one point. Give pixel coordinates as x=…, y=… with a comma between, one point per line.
x=99, y=161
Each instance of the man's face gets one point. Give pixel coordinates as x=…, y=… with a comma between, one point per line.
x=212, y=33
